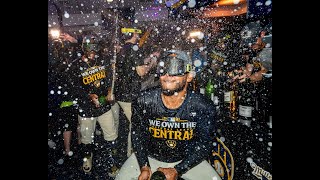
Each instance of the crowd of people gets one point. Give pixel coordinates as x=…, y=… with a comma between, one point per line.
x=151, y=116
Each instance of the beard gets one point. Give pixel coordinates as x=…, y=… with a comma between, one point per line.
x=171, y=92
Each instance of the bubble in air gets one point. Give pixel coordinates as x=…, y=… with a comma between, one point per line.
x=249, y=160
x=135, y=47
x=70, y=153
x=66, y=15
x=222, y=139
x=267, y=3
x=60, y=161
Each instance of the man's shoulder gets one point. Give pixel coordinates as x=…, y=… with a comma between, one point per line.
x=148, y=95
x=200, y=100
x=146, y=99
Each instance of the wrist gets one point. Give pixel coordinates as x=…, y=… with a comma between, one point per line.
x=145, y=168
x=179, y=171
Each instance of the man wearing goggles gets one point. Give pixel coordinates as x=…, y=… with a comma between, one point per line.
x=172, y=127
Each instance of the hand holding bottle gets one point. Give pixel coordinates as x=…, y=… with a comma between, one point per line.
x=170, y=173
x=95, y=100
x=243, y=74
x=110, y=97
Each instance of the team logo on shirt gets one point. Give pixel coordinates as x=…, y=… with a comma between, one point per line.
x=97, y=83
x=171, y=143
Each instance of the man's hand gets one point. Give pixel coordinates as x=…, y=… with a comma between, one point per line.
x=110, y=97
x=170, y=173
x=145, y=173
x=67, y=37
x=94, y=99
x=242, y=75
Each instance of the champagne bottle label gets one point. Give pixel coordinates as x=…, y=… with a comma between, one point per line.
x=245, y=111
x=202, y=90
x=227, y=96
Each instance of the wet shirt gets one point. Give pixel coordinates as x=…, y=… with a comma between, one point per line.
x=60, y=84
x=170, y=135
x=127, y=86
x=93, y=77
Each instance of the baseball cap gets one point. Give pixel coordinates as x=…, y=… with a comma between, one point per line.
x=174, y=63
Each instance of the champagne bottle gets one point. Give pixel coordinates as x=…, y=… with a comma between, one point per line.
x=204, y=76
x=102, y=100
x=265, y=98
x=230, y=98
x=201, y=88
x=209, y=90
x=158, y=175
x=201, y=81
x=233, y=103
x=195, y=84
x=219, y=94
x=246, y=103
